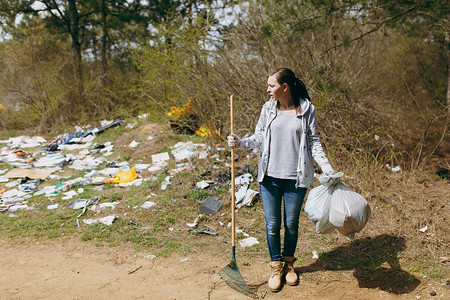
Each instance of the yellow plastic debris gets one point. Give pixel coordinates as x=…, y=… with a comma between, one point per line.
x=177, y=113
x=203, y=131
x=2, y=107
x=124, y=176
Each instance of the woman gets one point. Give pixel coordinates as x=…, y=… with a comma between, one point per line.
x=288, y=139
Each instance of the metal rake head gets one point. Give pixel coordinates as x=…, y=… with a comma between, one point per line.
x=231, y=275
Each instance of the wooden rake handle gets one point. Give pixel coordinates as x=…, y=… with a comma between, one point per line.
x=233, y=188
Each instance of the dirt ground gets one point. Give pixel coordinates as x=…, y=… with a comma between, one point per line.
x=73, y=269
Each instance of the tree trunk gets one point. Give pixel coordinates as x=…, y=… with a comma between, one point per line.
x=104, y=37
x=74, y=34
x=447, y=42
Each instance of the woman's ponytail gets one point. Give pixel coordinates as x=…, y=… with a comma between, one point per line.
x=297, y=87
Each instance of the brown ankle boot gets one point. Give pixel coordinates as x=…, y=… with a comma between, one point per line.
x=289, y=271
x=276, y=268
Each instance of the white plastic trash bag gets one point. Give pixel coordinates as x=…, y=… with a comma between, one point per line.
x=349, y=211
x=336, y=207
x=317, y=208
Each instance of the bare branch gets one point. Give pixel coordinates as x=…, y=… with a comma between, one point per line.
x=377, y=26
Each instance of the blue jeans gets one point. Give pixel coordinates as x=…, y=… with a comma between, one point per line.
x=272, y=191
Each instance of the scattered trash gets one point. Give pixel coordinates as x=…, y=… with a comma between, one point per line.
x=136, y=182
x=69, y=195
x=245, y=196
x=147, y=204
x=51, y=160
x=133, y=144
x=247, y=242
x=211, y=206
x=64, y=186
x=238, y=230
x=150, y=256
x=25, y=142
x=134, y=223
x=194, y=224
x=19, y=207
x=28, y=173
x=161, y=157
x=166, y=183
x=314, y=253
x=393, y=169
x=184, y=259
x=52, y=206
x=98, y=180
x=243, y=179
x=12, y=184
x=203, y=231
x=188, y=150
x=141, y=167
x=104, y=205
x=202, y=184
x=423, y=229
x=105, y=220
x=29, y=185
x=181, y=168
x=82, y=203
x=87, y=163
x=124, y=176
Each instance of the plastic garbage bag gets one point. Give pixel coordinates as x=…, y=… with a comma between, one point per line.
x=334, y=205
x=124, y=176
x=349, y=211
x=317, y=208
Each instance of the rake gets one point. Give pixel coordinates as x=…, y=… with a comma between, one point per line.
x=230, y=273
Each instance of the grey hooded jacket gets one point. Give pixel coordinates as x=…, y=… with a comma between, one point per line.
x=310, y=145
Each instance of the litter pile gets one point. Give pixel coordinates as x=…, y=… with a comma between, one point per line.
x=27, y=173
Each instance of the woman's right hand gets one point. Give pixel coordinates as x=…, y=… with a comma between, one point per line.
x=233, y=141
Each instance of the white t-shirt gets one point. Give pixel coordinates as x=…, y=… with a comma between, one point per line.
x=284, y=145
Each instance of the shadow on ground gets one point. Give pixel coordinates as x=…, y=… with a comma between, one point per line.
x=366, y=257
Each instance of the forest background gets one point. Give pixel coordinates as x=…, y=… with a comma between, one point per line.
x=377, y=71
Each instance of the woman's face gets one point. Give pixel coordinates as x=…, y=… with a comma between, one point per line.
x=274, y=88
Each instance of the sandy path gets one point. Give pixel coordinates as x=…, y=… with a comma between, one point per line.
x=72, y=269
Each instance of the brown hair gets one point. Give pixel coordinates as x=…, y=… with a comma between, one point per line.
x=297, y=87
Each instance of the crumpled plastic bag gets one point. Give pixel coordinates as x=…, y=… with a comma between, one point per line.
x=317, y=208
x=124, y=176
x=336, y=206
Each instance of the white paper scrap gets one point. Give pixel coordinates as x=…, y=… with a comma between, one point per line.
x=247, y=242
x=133, y=144
x=202, y=184
x=164, y=156
x=193, y=224
x=105, y=220
x=423, y=229
x=147, y=204
x=52, y=206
